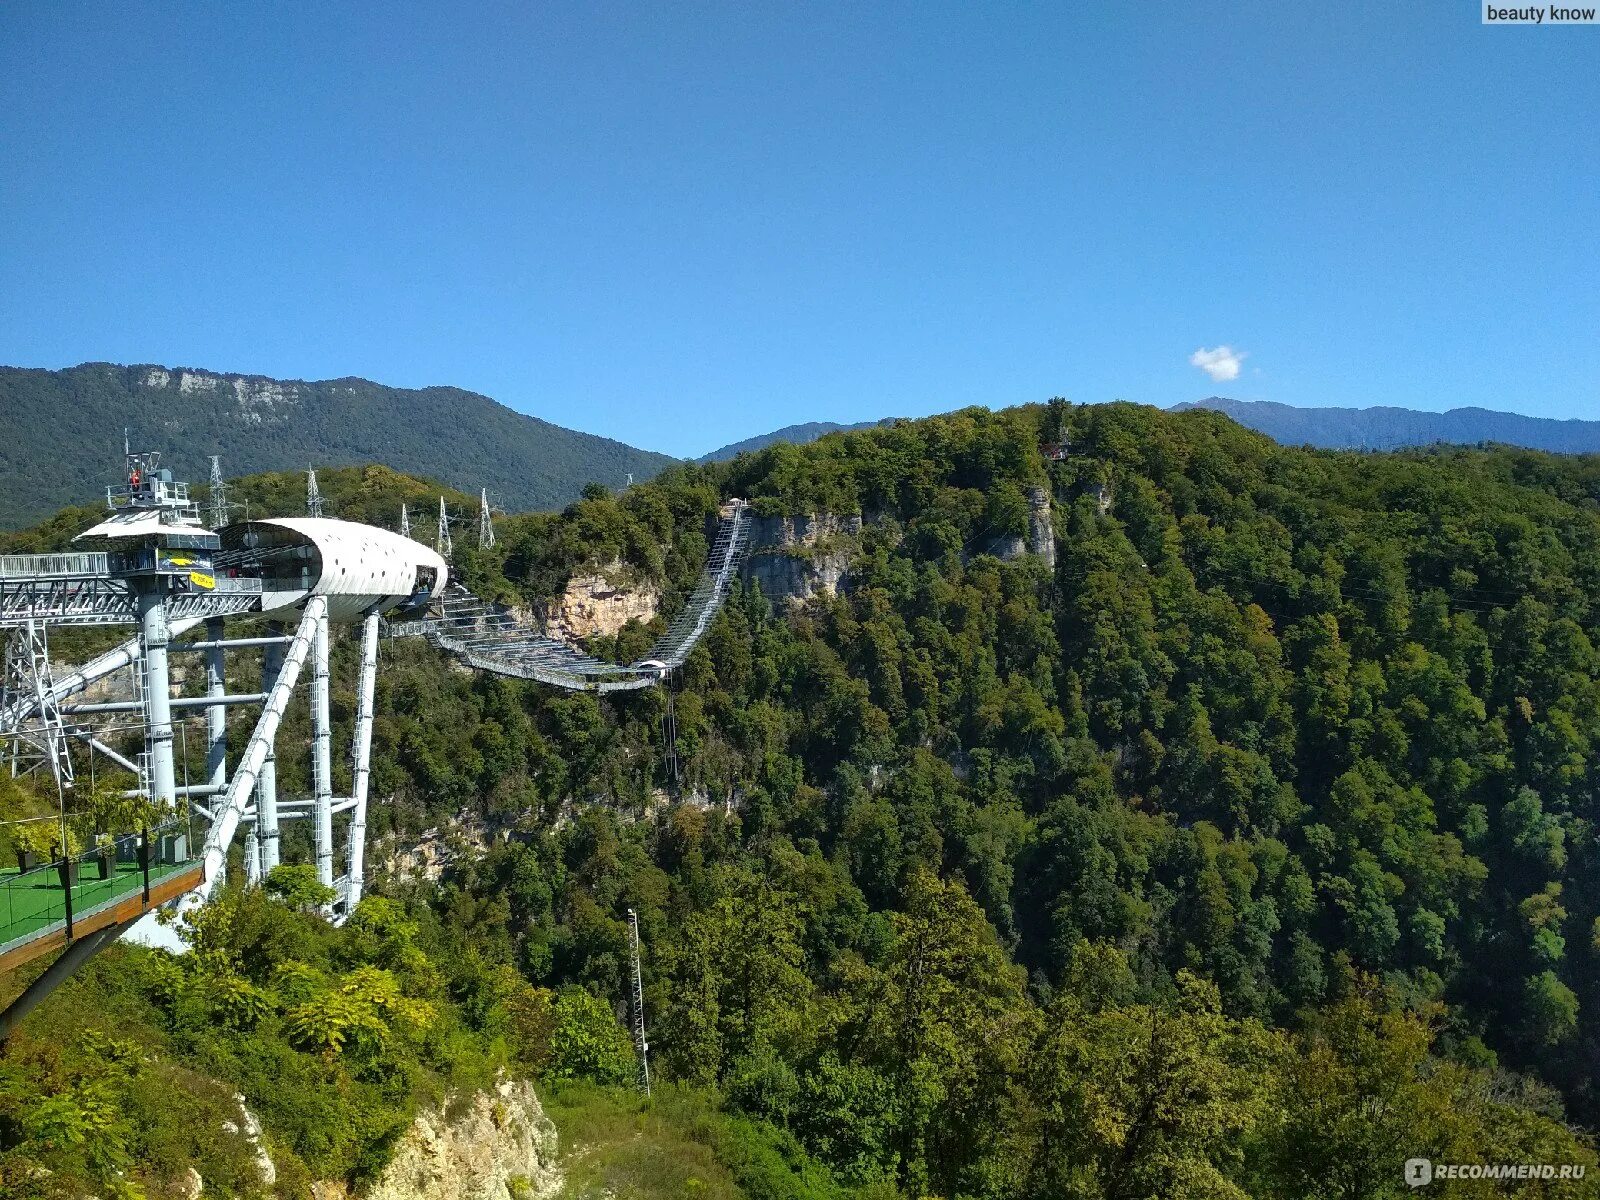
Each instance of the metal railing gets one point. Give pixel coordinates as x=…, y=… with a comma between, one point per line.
x=52, y=896
x=74, y=565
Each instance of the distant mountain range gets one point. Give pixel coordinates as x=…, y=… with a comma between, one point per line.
x=61, y=435
x=799, y=435
x=1390, y=428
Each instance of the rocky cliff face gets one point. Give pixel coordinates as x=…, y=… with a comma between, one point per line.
x=501, y=1147
x=1040, y=538
x=1041, y=525
x=794, y=558
x=600, y=603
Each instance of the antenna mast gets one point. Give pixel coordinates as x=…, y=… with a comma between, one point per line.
x=313, y=494
x=485, y=522
x=640, y=1043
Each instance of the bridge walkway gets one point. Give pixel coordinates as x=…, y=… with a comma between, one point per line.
x=489, y=637
x=39, y=913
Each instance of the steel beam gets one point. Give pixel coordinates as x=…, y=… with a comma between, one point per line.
x=322, y=750
x=74, y=956
x=362, y=753
x=231, y=808
x=267, y=783
x=218, y=642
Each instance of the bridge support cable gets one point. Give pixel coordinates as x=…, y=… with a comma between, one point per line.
x=230, y=809
x=669, y=736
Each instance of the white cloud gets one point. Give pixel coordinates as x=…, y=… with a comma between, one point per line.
x=1222, y=364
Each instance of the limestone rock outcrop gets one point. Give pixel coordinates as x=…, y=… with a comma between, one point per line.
x=794, y=558
x=600, y=602
x=499, y=1146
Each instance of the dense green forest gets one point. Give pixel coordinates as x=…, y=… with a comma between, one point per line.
x=259, y=424
x=1246, y=853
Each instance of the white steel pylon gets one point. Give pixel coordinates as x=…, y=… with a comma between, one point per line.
x=405, y=520
x=441, y=535
x=321, y=753
x=313, y=494
x=230, y=808
x=219, y=494
x=361, y=765
x=640, y=1043
x=40, y=740
x=485, y=522
x=266, y=785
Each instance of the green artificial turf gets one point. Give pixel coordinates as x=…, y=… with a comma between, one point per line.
x=33, y=903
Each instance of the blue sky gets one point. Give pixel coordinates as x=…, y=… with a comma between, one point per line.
x=683, y=224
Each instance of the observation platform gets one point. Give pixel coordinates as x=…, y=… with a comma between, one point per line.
x=34, y=904
x=93, y=588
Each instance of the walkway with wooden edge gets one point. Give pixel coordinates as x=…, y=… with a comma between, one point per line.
x=39, y=923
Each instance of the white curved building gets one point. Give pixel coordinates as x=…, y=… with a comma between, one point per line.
x=359, y=568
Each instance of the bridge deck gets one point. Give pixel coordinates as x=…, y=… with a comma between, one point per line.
x=490, y=637
x=33, y=909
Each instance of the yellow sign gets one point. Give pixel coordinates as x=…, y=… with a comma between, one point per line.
x=200, y=580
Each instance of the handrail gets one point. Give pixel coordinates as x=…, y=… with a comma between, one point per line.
x=77, y=564
x=68, y=899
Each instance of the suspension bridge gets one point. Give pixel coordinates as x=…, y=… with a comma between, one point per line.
x=153, y=565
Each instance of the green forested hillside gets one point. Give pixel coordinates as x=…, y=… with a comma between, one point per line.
x=1248, y=853
x=61, y=435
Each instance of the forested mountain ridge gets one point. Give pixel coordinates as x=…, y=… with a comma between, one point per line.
x=1387, y=428
x=1247, y=853
x=61, y=434
x=798, y=435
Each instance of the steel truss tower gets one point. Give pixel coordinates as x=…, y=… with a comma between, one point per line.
x=40, y=741
x=485, y=522
x=219, y=495
x=441, y=536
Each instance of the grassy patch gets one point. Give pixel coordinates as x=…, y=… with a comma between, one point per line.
x=616, y=1142
x=679, y=1143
